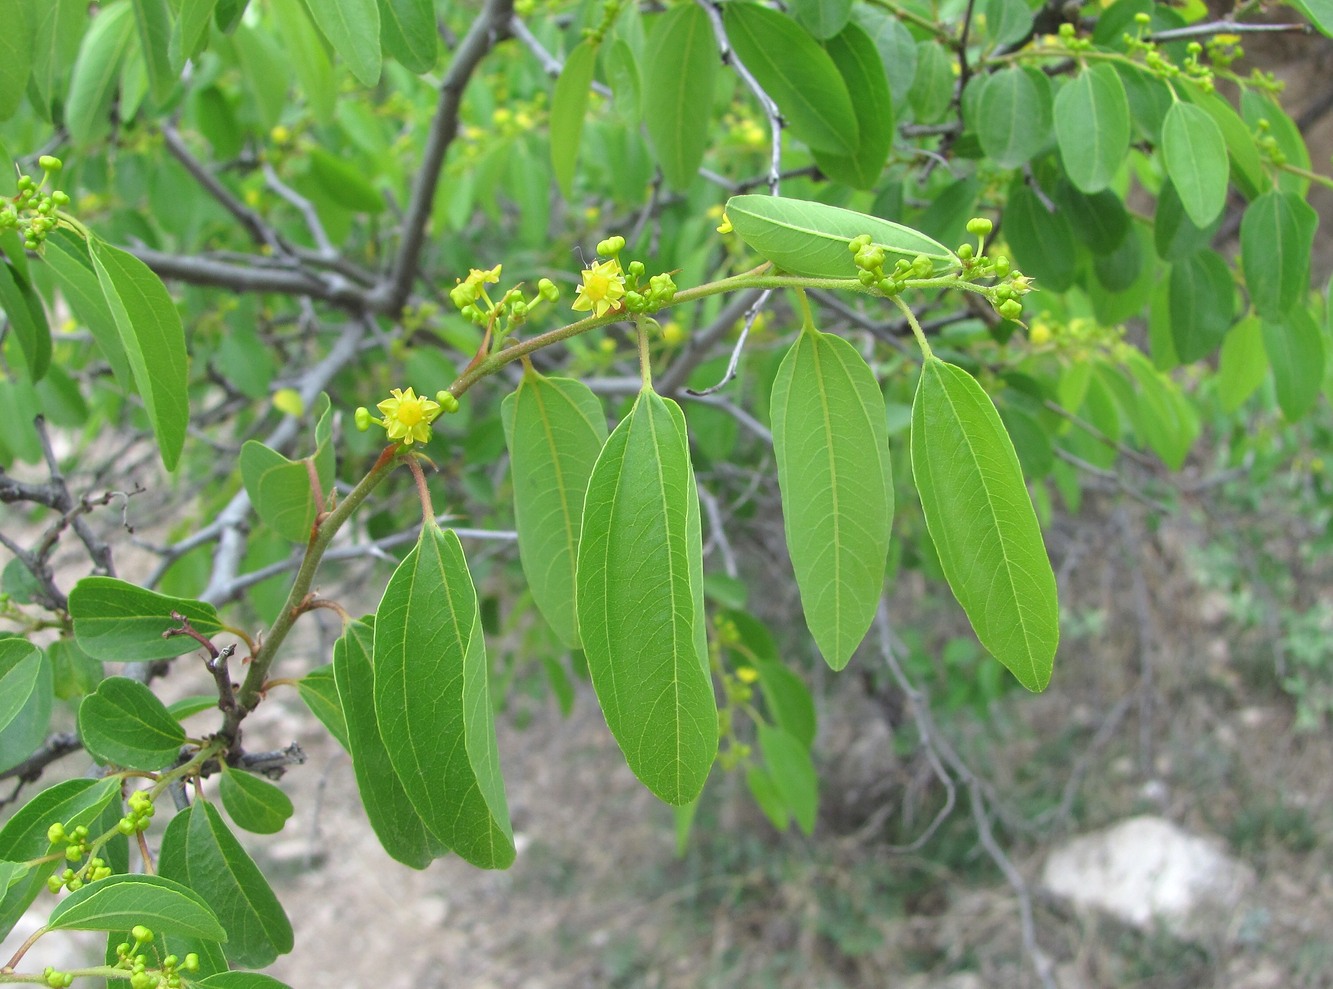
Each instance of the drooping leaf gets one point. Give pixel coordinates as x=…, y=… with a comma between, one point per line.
x=432, y=701
x=119, y=902
x=319, y=691
x=1092, y=127
x=409, y=33
x=1175, y=235
x=810, y=239
x=93, y=84
x=822, y=18
x=1042, y=242
x=554, y=428
x=23, y=837
x=119, y=622
x=982, y=523
x=16, y=47
x=1202, y=304
x=254, y=803
x=153, y=18
x=310, y=57
x=797, y=74
x=1247, y=168
x=569, y=107
x=26, y=694
x=830, y=437
x=124, y=724
x=66, y=255
x=281, y=489
x=1195, y=155
x=640, y=595
x=1295, y=350
x=788, y=700
x=932, y=86
x=199, y=851
x=396, y=822
x=679, y=73
x=1161, y=415
x=793, y=774
x=353, y=29
x=1014, y=119
x=858, y=61
x=766, y=796
x=190, y=31
x=153, y=340
x=1243, y=364
x=27, y=320
x=1276, y=238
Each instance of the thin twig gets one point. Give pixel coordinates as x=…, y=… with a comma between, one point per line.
x=1228, y=27
x=766, y=102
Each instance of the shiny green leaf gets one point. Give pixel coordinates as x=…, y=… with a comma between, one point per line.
x=432, y=700
x=199, y=851
x=122, y=723
x=254, y=803
x=640, y=600
x=391, y=812
x=1276, y=238
x=796, y=73
x=830, y=437
x=1195, y=155
x=1295, y=350
x=1202, y=305
x=153, y=339
x=119, y=622
x=1014, y=119
x=982, y=523
x=25, y=681
x=554, y=428
x=319, y=692
x=679, y=71
x=1092, y=127
x=858, y=61
x=96, y=71
x=409, y=33
x=120, y=902
x=810, y=239
x=569, y=107
x=353, y=29
x=16, y=48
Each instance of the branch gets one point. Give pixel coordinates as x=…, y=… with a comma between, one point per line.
x=196, y=270
x=56, y=746
x=487, y=30
x=551, y=65
x=766, y=102
x=1228, y=27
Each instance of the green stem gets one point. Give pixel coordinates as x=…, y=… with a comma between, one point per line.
x=922, y=342
x=645, y=358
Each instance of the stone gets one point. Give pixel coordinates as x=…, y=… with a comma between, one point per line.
x=1145, y=872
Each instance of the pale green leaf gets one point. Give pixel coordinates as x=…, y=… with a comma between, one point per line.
x=1195, y=155
x=309, y=56
x=123, y=723
x=1276, y=238
x=66, y=254
x=1092, y=127
x=119, y=622
x=319, y=692
x=639, y=599
x=1295, y=349
x=27, y=319
x=982, y=523
x=93, y=84
x=353, y=29
x=1320, y=13
x=254, y=803
x=1243, y=364
x=569, y=107
x=16, y=48
x=822, y=18
x=1014, y=119
x=190, y=31
x=154, y=21
x=409, y=33
x=830, y=437
x=793, y=774
x=118, y=903
x=679, y=71
x=858, y=61
x=28, y=674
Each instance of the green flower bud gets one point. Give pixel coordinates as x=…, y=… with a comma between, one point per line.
x=191, y=963
x=610, y=247
x=1010, y=309
x=856, y=243
x=59, y=198
x=448, y=403
x=362, y=418
x=74, y=885
x=636, y=269
x=50, y=163
x=55, y=834
x=548, y=290
x=141, y=933
x=54, y=884
x=979, y=226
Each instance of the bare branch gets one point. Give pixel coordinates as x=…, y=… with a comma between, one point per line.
x=766, y=102
x=339, y=291
x=1228, y=27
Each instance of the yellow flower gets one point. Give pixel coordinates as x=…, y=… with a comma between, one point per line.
x=407, y=416
x=603, y=286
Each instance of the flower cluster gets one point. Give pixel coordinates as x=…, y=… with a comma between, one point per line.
x=133, y=959
x=407, y=416
x=469, y=295
x=609, y=288
x=34, y=212
x=77, y=846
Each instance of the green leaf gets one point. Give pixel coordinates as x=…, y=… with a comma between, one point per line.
x=1243, y=364
x=27, y=320
x=1092, y=127
x=75, y=673
x=432, y=700
x=569, y=107
x=153, y=339
x=640, y=600
x=310, y=57
x=796, y=73
x=228, y=14
x=793, y=774
x=344, y=183
x=1195, y=155
x=10, y=874
x=554, y=428
x=1247, y=168
x=810, y=239
x=240, y=980
x=25, y=680
x=1320, y=13
x=189, y=706
x=830, y=437
x=767, y=798
x=859, y=63
x=1014, y=119
x=190, y=32
x=119, y=902
x=1007, y=21
x=353, y=29
x=895, y=44
x=1202, y=305
x=1276, y=238
x=932, y=86
x=57, y=29
x=409, y=33
x=154, y=21
x=1162, y=416
x=16, y=47
x=199, y=851
x=23, y=838
x=118, y=622
x=319, y=691
x=1262, y=112
x=1042, y=243
x=1103, y=222
x=396, y=822
x=93, y=84
x=124, y=724
x=1295, y=350
x=822, y=18
x=788, y=701
x=254, y=803
x=66, y=254
x=679, y=74
x=982, y=523
x=281, y=489
x=1175, y=235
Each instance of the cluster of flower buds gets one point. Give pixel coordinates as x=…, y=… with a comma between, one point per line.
x=140, y=815
x=869, y=259
x=609, y=287
x=76, y=847
x=471, y=299
x=407, y=416
x=33, y=212
x=132, y=958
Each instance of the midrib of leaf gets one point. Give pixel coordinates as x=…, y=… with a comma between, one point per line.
x=571, y=537
x=235, y=877
x=995, y=520
x=833, y=493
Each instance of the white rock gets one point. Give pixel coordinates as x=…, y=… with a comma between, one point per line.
x=1146, y=871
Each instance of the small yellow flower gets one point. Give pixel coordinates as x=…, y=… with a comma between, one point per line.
x=603, y=287
x=407, y=416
